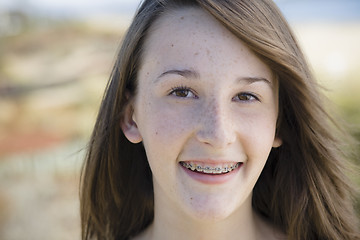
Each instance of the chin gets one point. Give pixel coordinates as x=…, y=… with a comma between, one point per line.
x=216, y=206
x=210, y=211
x=212, y=216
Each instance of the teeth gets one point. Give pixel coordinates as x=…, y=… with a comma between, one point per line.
x=208, y=169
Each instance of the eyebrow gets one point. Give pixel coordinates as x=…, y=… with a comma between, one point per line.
x=184, y=73
x=193, y=74
x=250, y=80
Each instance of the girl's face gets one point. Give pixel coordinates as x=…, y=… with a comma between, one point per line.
x=206, y=111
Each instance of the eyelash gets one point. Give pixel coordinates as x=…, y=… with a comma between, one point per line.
x=178, y=89
x=251, y=96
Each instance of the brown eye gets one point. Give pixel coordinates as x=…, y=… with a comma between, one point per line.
x=243, y=97
x=246, y=97
x=182, y=92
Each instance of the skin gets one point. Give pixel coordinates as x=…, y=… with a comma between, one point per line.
x=204, y=97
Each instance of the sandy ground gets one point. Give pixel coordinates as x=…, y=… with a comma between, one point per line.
x=39, y=195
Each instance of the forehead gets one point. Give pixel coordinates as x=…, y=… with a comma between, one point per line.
x=185, y=26
x=190, y=37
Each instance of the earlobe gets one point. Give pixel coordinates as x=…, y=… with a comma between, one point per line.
x=129, y=126
x=277, y=142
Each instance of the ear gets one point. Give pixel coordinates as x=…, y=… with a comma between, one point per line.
x=277, y=142
x=129, y=126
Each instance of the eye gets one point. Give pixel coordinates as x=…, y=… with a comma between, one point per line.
x=182, y=92
x=246, y=97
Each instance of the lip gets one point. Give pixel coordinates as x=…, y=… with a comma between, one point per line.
x=211, y=178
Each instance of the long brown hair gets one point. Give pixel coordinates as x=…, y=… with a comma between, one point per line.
x=303, y=188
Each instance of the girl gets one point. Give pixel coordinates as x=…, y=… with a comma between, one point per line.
x=212, y=127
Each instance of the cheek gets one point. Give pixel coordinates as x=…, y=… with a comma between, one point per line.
x=257, y=144
x=168, y=126
x=164, y=131
x=258, y=134
x=162, y=125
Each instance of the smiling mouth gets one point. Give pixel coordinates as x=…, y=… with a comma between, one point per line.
x=210, y=170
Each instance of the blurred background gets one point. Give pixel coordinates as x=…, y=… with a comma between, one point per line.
x=55, y=60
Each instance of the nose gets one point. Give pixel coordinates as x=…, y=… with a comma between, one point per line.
x=216, y=127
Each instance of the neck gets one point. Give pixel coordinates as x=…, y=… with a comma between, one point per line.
x=171, y=224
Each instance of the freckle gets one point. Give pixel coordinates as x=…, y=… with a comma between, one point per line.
x=172, y=45
x=196, y=54
x=182, y=18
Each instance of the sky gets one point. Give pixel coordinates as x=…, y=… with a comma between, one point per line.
x=294, y=10
x=73, y=8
